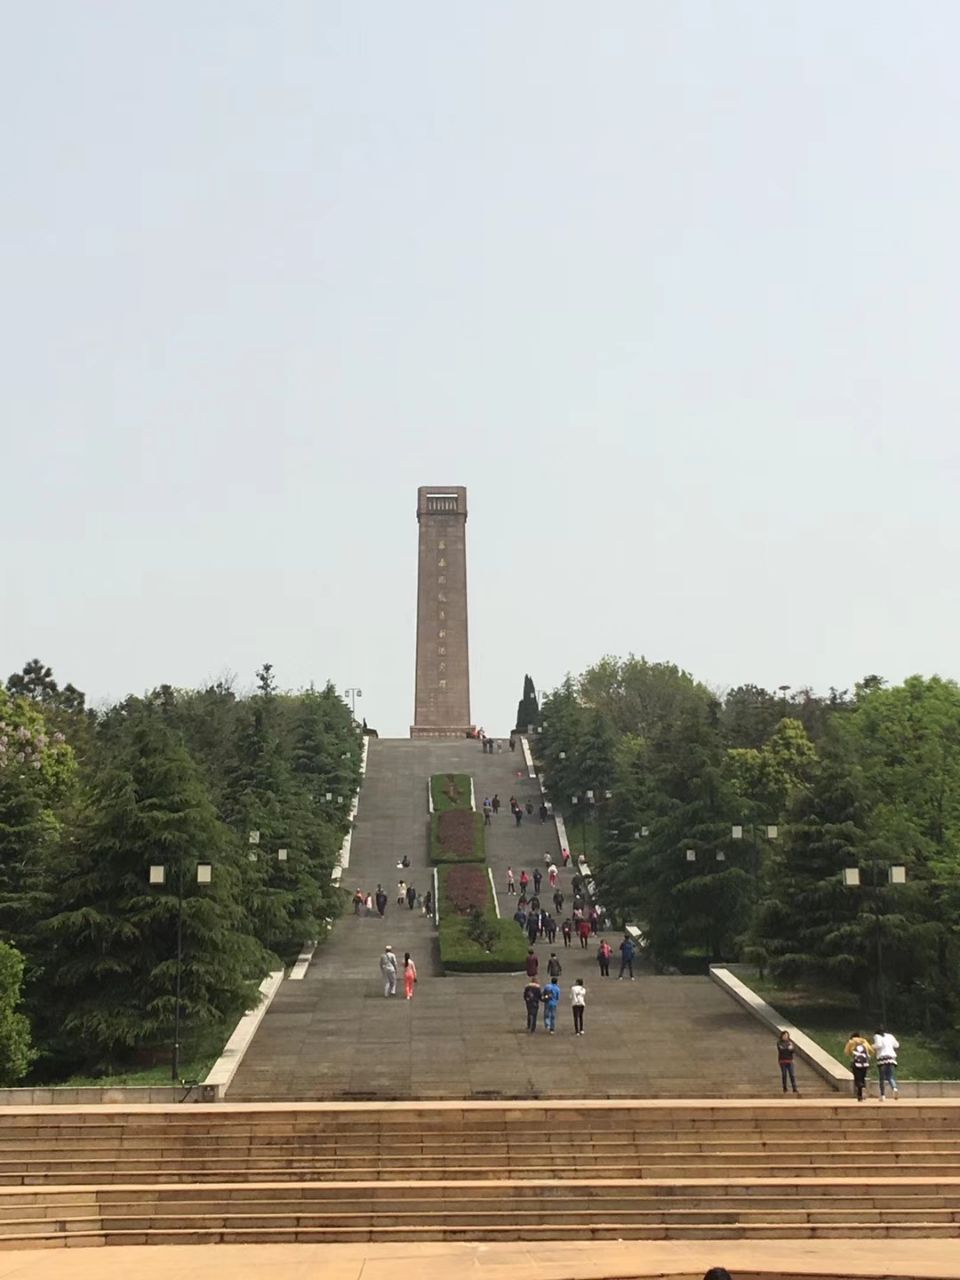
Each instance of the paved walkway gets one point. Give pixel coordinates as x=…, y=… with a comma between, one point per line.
x=542, y=1260
x=334, y=1035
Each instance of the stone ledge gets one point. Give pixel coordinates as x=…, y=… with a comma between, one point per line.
x=836, y=1075
x=299, y=970
x=224, y=1069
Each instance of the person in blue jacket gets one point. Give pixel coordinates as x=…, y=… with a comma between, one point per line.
x=550, y=997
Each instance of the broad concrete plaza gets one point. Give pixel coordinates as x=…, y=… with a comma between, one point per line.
x=334, y=1034
x=541, y=1260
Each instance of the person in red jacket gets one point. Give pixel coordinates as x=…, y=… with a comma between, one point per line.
x=583, y=929
x=603, y=958
x=533, y=963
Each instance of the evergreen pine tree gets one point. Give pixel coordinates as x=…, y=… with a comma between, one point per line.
x=111, y=966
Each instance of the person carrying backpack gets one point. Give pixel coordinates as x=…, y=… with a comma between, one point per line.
x=627, y=950
x=858, y=1051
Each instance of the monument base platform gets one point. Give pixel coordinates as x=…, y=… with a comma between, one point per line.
x=443, y=731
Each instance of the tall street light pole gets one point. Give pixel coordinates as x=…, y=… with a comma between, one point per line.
x=772, y=832
x=158, y=875
x=353, y=694
x=896, y=874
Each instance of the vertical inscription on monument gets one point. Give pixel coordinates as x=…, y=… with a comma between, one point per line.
x=442, y=706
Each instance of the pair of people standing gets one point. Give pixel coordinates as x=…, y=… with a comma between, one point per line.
x=884, y=1049
x=389, y=969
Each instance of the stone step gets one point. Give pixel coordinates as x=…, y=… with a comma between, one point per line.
x=771, y=1230
x=502, y=1216
x=497, y=1160
x=301, y=1170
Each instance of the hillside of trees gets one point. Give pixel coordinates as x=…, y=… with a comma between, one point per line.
x=90, y=800
x=723, y=824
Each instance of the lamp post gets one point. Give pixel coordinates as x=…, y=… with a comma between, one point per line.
x=585, y=801
x=772, y=833
x=353, y=694
x=158, y=875
x=896, y=874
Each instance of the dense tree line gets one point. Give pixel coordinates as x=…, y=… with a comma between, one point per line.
x=724, y=824
x=258, y=787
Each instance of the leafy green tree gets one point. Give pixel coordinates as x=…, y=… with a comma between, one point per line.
x=37, y=776
x=16, y=1051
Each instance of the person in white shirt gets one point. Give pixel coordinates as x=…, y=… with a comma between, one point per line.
x=885, y=1046
x=578, y=998
x=388, y=971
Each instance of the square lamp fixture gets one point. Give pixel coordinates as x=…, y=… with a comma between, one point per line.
x=691, y=855
x=158, y=874
x=204, y=872
x=736, y=832
x=282, y=855
x=772, y=831
x=254, y=837
x=851, y=877
x=897, y=875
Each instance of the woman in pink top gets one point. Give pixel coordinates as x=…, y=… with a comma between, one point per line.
x=409, y=975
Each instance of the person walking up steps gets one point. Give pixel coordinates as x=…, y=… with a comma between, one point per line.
x=603, y=958
x=858, y=1051
x=567, y=930
x=537, y=879
x=578, y=999
x=785, y=1052
x=409, y=975
x=401, y=892
x=381, y=901
x=554, y=967
x=885, y=1046
x=531, y=998
x=551, y=998
x=511, y=883
x=627, y=950
x=388, y=971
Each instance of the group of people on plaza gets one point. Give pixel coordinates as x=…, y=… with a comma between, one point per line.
x=859, y=1050
x=407, y=896
x=549, y=993
x=548, y=996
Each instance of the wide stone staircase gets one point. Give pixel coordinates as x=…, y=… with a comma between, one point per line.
x=478, y=1171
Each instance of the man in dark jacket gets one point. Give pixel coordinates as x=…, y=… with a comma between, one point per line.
x=532, y=995
x=533, y=963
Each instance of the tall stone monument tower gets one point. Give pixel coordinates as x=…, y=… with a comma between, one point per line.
x=442, y=708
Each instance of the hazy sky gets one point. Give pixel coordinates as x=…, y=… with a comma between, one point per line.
x=670, y=286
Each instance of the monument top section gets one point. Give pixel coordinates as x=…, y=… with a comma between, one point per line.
x=441, y=499
x=442, y=705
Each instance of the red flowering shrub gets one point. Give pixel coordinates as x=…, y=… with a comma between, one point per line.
x=468, y=889
x=457, y=836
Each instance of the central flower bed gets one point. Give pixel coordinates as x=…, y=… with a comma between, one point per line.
x=472, y=938
x=456, y=835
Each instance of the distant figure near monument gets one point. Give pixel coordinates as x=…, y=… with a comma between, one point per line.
x=442, y=705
